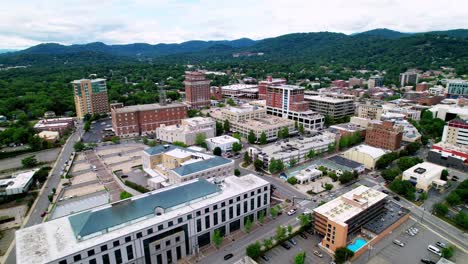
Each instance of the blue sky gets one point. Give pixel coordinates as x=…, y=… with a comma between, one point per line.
x=27, y=23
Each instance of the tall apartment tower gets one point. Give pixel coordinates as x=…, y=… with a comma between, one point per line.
x=384, y=135
x=375, y=81
x=409, y=77
x=263, y=85
x=90, y=97
x=197, y=89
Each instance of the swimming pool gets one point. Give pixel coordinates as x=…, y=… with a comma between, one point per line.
x=358, y=243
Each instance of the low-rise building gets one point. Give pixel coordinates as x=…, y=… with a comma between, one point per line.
x=365, y=154
x=223, y=142
x=55, y=124
x=246, y=91
x=410, y=133
x=169, y=164
x=17, y=184
x=448, y=112
x=187, y=131
x=409, y=112
x=49, y=136
x=136, y=120
x=162, y=226
x=425, y=175
x=375, y=81
x=456, y=132
x=328, y=105
x=347, y=129
x=384, y=135
x=421, y=87
x=369, y=110
x=457, y=88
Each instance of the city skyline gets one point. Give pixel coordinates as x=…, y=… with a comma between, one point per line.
x=153, y=22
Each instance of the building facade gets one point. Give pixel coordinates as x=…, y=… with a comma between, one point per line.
x=244, y=91
x=328, y=105
x=353, y=82
x=457, y=88
x=369, y=111
x=90, y=97
x=287, y=101
x=384, y=135
x=263, y=85
x=162, y=226
x=187, y=131
x=223, y=142
x=365, y=154
x=421, y=87
x=410, y=78
x=197, y=89
x=424, y=175
x=136, y=120
x=55, y=124
x=456, y=132
x=375, y=81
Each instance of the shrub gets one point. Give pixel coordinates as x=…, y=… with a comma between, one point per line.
x=292, y=180
x=440, y=209
x=328, y=186
x=299, y=258
x=237, y=172
x=125, y=195
x=217, y=151
x=254, y=250
x=136, y=186
x=343, y=254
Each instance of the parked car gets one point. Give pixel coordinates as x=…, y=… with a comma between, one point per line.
x=410, y=233
x=398, y=243
x=265, y=258
x=286, y=245
x=441, y=244
x=385, y=191
x=455, y=178
x=420, y=190
x=318, y=254
x=434, y=250
x=303, y=235
x=427, y=261
x=292, y=241
x=43, y=214
x=228, y=256
x=292, y=211
x=396, y=198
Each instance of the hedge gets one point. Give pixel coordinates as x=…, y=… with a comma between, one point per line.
x=136, y=186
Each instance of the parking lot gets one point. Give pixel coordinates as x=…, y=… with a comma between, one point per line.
x=414, y=250
x=309, y=245
x=94, y=135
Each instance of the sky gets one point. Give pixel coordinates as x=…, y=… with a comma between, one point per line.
x=27, y=23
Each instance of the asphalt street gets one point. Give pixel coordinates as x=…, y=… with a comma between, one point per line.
x=42, y=201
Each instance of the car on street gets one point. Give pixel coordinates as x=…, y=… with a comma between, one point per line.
x=385, y=191
x=396, y=198
x=318, y=254
x=304, y=236
x=398, y=243
x=455, y=178
x=43, y=214
x=434, y=250
x=286, y=246
x=292, y=211
x=292, y=241
x=228, y=256
x=427, y=261
x=265, y=258
x=441, y=244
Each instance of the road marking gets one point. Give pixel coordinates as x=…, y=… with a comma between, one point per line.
x=433, y=231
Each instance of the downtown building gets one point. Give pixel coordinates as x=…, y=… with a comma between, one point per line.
x=331, y=106
x=409, y=77
x=90, y=97
x=136, y=120
x=287, y=101
x=375, y=81
x=197, y=90
x=161, y=226
x=384, y=134
x=270, y=81
x=457, y=88
x=187, y=131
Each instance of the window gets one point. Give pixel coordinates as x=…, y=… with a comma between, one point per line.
x=215, y=207
x=265, y=188
x=169, y=256
x=207, y=221
x=150, y=231
x=91, y=261
x=189, y=217
x=159, y=259
x=178, y=253
x=103, y=248
x=170, y=223
x=245, y=196
x=231, y=213
x=259, y=191
x=160, y=227
x=223, y=216
x=118, y=256
x=90, y=252
x=231, y=201
x=252, y=203
x=265, y=199
x=252, y=193
x=139, y=235
x=207, y=210
x=64, y=261
x=199, y=228
x=77, y=258
x=168, y=243
x=215, y=218
x=238, y=211
x=128, y=239
x=105, y=259
x=116, y=243
x=177, y=239
x=129, y=252
x=157, y=247
x=198, y=213
x=259, y=201
x=179, y=220
x=238, y=198
x=223, y=204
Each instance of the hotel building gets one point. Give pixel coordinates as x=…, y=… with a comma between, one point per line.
x=90, y=97
x=329, y=105
x=197, y=89
x=263, y=85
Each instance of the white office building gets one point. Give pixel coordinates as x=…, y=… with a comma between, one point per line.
x=223, y=142
x=17, y=184
x=162, y=226
x=425, y=175
x=187, y=131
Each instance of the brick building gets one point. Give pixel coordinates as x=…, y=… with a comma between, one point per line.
x=384, y=135
x=216, y=93
x=55, y=124
x=90, y=97
x=421, y=87
x=138, y=120
x=197, y=89
x=270, y=81
x=339, y=83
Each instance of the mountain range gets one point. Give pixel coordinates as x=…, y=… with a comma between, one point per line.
x=363, y=48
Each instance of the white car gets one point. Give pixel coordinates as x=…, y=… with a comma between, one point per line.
x=292, y=211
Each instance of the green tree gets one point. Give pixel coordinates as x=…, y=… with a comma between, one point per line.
x=267, y=243
x=125, y=195
x=263, y=138
x=29, y=162
x=254, y=250
x=346, y=177
x=444, y=175
x=453, y=199
x=404, y=188
x=230, y=102
x=423, y=196
x=461, y=219
x=301, y=129
x=285, y=132
x=261, y=217
x=289, y=228
x=42, y=174
x=251, y=138
x=87, y=126
x=237, y=172
x=292, y=162
x=413, y=147
x=331, y=147
x=405, y=163
x=115, y=140
x=79, y=146
x=217, y=238
x=440, y=209
x=247, y=158
x=332, y=175
x=258, y=164
x=226, y=126
x=280, y=233
x=300, y=258
x=328, y=186
x=305, y=220
x=343, y=254
x=296, y=126
x=237, y=136
x=217, y=151
x=292, y=180
x=447, y=252
x=179, y=144
x=390, y=174
x=200, y=140
x=248, y=225
x=274, y=211
x=219, y=128
x=236, y=147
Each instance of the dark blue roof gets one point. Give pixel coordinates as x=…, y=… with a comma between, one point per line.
x=345, y=162
x=201, y=165
x=90, y=222
x=160, y=149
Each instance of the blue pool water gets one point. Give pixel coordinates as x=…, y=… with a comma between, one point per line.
x=358, y=243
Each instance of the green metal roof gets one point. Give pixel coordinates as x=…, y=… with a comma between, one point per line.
x=90, y=222
x=201, y=165
x=160, y=149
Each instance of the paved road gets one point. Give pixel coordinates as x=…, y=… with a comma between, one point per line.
x=54, y=179
x=48, y=155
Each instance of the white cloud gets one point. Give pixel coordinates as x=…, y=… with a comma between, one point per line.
x=26, y=23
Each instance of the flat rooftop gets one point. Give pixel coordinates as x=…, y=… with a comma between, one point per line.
x=284, y=149
x=92, y=80
x=55, y=239
x=145, y=107
x=326, y=99
x=350, y=204
x=238, y=87
x=287, y=87
x=392, y=213
x=18, y=180
x=345, y=162
x=222, y=140
x=425, y=170
x=369, y=150
x=204, y=164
